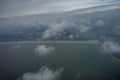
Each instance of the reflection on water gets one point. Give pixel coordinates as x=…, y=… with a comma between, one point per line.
x=79, y=61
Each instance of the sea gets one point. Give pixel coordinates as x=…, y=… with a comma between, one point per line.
x=78, y=61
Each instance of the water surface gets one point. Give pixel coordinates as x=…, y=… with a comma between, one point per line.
x=84, y=59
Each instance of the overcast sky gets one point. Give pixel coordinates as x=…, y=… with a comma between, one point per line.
x=10, y=8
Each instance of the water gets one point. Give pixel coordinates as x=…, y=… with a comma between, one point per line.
x=80, y=61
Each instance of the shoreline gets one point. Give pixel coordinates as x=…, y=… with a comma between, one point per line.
x=61, y=41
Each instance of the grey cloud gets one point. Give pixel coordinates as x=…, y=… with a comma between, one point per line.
x=101, y=8
x=71, y=36
x=99, y=23
x=27, y=7
x=117, y=27
x=84, y=28
x=44, y=73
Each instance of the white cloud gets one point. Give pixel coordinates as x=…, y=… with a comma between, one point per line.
x=58, y=28
x=43, y=74
x=84, y=28
x=99, y=23
x=55, y=28
x=43, y=50
x=109, y=47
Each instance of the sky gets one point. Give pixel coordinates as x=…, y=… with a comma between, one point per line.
x=9, y=8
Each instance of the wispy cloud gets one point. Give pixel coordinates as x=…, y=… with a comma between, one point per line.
x=44, y=73
x=26, y=7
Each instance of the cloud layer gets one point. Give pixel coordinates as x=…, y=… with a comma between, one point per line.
x=43, y=74
x=27, y=7
x=109, y=47
x=43, y=50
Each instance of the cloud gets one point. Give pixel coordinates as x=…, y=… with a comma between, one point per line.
x=16, y=47
x=100, y=8
x=27, y=7
x=71, y=36
x=99, y=23
x=78, y=76
x=117, y=27
x=84, y=28
x=55, y=28
x=109, y=47
x=43, y=50
x=43, y=74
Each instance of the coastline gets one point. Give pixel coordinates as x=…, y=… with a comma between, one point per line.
x=50, y=41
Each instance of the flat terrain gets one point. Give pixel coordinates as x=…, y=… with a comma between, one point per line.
x=50, y=41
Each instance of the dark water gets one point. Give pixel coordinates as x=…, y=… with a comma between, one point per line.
x=75, y=58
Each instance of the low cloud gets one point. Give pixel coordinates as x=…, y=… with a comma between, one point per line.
x=43, y=50
x=71, y=36
x=99, y=23
x=16, y=47
x=55, y=28
x=117, y=27
x=43, y=74
x=109, y=47
x=78, y=76
x=84, y=28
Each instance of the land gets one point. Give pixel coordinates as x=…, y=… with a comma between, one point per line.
x=53, y=41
